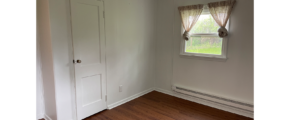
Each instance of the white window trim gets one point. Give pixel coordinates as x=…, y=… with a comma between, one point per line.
x=224, y=45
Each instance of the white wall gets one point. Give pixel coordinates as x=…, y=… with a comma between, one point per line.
x=62, y=57
x=164, y=50
x=130, y=47
x=232, y=78
x=39, y=84
x=44, y=39
x=130, y=51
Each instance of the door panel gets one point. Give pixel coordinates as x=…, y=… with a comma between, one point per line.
x=87, y=33
x=89, y=47
x=89, y=86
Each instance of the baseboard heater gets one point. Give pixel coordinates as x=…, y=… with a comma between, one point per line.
x=216, y=99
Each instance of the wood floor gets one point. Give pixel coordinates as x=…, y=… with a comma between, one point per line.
x=159, y=106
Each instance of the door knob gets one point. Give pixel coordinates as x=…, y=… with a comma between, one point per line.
x=79, y=61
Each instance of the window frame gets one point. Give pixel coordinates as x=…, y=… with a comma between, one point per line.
x=224, y=43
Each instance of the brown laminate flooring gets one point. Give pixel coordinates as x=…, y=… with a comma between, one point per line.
x=159, y=106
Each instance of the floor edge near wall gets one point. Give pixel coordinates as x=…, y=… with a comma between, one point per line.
x=207, y=103
x=111, y=106
x=186, y=97
x=171, y=93
x=40, y=116
x=46, y=117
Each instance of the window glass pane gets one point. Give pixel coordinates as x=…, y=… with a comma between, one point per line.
x=205, y=45
x=205, y=24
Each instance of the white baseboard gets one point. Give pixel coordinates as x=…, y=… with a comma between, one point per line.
x=182, y=96
x=40, y=116
x=46, y=117
x=129, y=98
x=207, y=103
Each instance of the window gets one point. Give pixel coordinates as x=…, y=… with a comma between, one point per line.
x=204, y=40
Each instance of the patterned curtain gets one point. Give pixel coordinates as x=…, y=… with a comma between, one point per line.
x=221, y=11
x=189, y=16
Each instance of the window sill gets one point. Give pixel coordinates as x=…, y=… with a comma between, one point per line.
x=203, y=57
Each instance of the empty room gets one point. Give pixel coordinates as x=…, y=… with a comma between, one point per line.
x=145, y=59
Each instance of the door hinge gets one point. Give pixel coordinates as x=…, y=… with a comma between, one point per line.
x=106, y=98
x=103, y=14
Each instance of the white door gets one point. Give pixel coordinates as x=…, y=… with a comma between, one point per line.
x=89, y=56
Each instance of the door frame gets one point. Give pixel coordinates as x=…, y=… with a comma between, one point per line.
x=72, y=66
